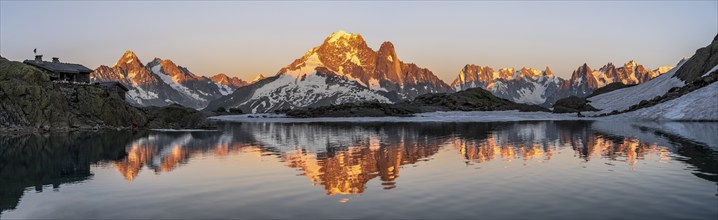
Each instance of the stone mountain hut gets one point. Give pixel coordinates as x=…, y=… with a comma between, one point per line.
x=61, y=71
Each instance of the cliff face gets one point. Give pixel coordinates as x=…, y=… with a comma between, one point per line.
x=30, y=101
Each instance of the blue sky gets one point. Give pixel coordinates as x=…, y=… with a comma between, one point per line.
x=247, y=38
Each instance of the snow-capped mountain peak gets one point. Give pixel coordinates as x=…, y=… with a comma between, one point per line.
x=532, y=86
x=160, y=82
x=127, y=58
x=259, y=77
x=341, y=35
x=220, y=78
x=179, y=74
x=528, y=72
x=308, y=65
x=348, y=55
x=342, y=69
x=547, y=72
x=662, y=69
x=631, y=64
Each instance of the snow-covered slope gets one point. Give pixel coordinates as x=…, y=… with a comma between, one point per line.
x=198, y=90
x=701, y=104
x=622, y=99
x=308, y=87
x=306, y=84
x=540, y=90
x=694, y=100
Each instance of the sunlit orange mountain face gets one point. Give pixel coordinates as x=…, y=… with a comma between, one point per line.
x=345, y=69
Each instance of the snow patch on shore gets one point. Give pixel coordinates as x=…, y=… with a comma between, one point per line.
x=700, y=104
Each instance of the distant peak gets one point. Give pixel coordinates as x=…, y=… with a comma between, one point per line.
x=387, y=49
x=387, y=44
x=259, y=77
x=340, y=34
x=128, y=57
x=129, y=53
x=220, y=78
x=547, y=72
x=167, y=61
x=631, y=63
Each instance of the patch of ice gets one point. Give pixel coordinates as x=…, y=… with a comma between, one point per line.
x=138, y=94
x=224, y=89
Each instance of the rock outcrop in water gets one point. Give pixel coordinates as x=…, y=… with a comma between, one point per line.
x=29, y=101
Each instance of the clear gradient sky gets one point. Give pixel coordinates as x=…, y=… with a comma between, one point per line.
x=242, y=38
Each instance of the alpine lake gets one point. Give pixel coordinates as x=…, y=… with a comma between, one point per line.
x=477, y=170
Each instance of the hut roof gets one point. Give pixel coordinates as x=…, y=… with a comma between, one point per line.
x=59, y=67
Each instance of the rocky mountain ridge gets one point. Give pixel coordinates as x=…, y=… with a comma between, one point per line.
x=543, y=87
x=161, y=82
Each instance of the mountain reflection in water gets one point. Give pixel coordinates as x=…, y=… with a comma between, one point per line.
x=341, y=158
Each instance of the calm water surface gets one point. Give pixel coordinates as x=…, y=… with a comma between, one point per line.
x=367, y=170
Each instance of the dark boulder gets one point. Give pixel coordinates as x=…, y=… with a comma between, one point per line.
x=572, y=104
